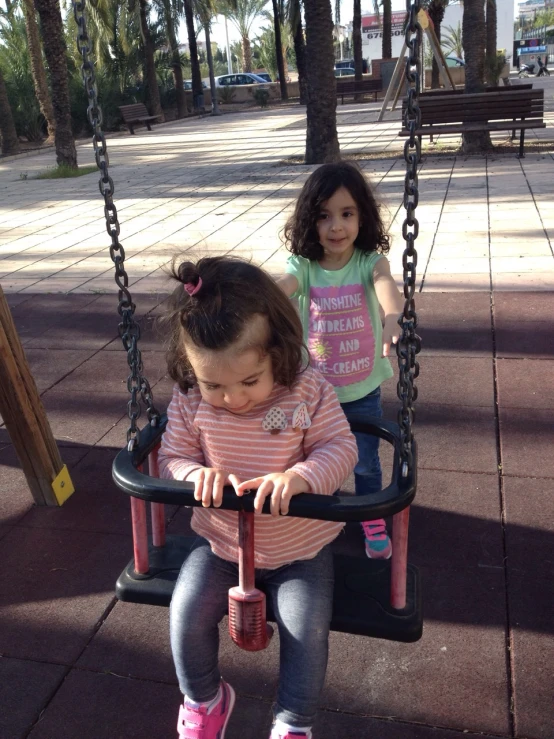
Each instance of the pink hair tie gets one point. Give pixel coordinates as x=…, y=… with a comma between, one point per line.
x=191, y=288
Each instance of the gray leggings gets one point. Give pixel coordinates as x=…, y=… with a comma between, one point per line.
x=301, y=595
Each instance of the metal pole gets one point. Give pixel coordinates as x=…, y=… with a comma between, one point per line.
x=229, y=60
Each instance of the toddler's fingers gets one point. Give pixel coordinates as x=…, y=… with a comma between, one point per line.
x=276, y=498
x=285, y=499
x=235, y=482
x=263, y=491
x=207, y=488
x=247, y=484
x=198, y=485
x=217, y=492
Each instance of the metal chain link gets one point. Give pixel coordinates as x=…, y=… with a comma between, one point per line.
x=129, y=329
x=409, y=343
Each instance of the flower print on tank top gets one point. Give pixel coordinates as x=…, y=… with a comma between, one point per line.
x=340, y=338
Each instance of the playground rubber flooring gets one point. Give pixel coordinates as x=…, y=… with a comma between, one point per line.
x=77, y=664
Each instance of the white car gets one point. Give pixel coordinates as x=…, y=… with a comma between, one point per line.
x=243, y=78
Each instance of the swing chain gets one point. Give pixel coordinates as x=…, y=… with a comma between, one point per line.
x=409, y=343
x=129, y=329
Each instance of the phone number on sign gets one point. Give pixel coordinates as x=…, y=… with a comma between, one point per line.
x=379, y=34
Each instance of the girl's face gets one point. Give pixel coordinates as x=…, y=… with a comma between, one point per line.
x=237, y=379
x=338, y=225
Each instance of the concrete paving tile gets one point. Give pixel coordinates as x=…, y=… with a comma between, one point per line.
x=440, y=281
x=523, y=281
x=32, y=318
x=132, y=642
x=461, y=656
x=446, y=436
x=15, y=497
x=455, y=520
x=57, y=585
x=451, y=381
x=97, y=505
x=526, y=442
x=4, y=530
x=525, y=383
x=78, y=418
x=331, y=725
x=529, y=546
x=25, y=688
x=534, y=307
x=525, y=339
x=49, y=366
x=93, y=706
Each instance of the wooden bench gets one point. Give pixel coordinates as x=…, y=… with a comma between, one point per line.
x=353, y=87
x=461, y=90
x=136, y=113
x=483, y=111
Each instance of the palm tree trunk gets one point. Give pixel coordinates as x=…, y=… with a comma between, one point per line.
x=387, y=30
x=197, y=90
x=322, y=144
x=175, y=61
x=357, y=40
x=300, y=54
x=436, y=14
x=473, y=32
x=491, y=42
x=53, y=41
x=279, y=50
x=10, y=141
x=152, y=89
x=246, y=54
x=37, y=67
x=215, y=103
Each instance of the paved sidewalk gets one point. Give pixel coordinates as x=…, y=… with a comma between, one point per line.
x=76, y=663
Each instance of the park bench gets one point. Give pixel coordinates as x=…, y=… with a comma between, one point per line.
x=513, y=109
x=136, y=113
x=355, y=87
x=461, y=90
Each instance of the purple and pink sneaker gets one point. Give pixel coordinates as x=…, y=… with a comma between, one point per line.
x=207, y=721
x=377, y=542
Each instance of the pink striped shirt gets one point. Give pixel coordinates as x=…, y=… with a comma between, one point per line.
x=201, y=435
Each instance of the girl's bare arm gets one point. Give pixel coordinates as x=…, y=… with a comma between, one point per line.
x=288, y=284
x=390, y=300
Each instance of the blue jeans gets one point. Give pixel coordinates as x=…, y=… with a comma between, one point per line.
x=301, y=595
x=367, y=473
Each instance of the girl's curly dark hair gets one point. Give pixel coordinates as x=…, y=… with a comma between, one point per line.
x=301, y=228
x=226, y=293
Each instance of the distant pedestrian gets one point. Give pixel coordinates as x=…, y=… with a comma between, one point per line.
x=543, y=70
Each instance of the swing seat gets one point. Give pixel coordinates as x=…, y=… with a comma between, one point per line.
x=361, y=602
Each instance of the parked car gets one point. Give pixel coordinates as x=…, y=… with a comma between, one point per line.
x=349, y=64
x=187, y=84
x=454, y=61
x=244, y=78
x=264, y=75
x=344, y=72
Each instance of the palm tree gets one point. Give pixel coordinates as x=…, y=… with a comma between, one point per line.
x=490, y=54
x=322, y=144
x=37, y=67
x=474, y=53
x=150, y=78
x=452, y=43
x=197, y=90
x=205, y=10
x=242, y=15
x=171, y=11
x=53, y=41
x=435, y=9
x=277, y=28
x=295, y=21
x=10, y=142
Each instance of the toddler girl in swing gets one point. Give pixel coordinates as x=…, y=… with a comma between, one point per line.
x=248, y=412
x=341, y=278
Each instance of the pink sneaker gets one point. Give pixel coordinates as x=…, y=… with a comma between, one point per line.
x=377, y=542
x=204, y=723
x=292, y=734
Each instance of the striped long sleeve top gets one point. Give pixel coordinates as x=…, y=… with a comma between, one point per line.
x=325, y=453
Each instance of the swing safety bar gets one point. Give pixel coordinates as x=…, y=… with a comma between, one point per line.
x=397, y=496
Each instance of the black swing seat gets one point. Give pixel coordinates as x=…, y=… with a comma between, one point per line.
x=362, y=586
